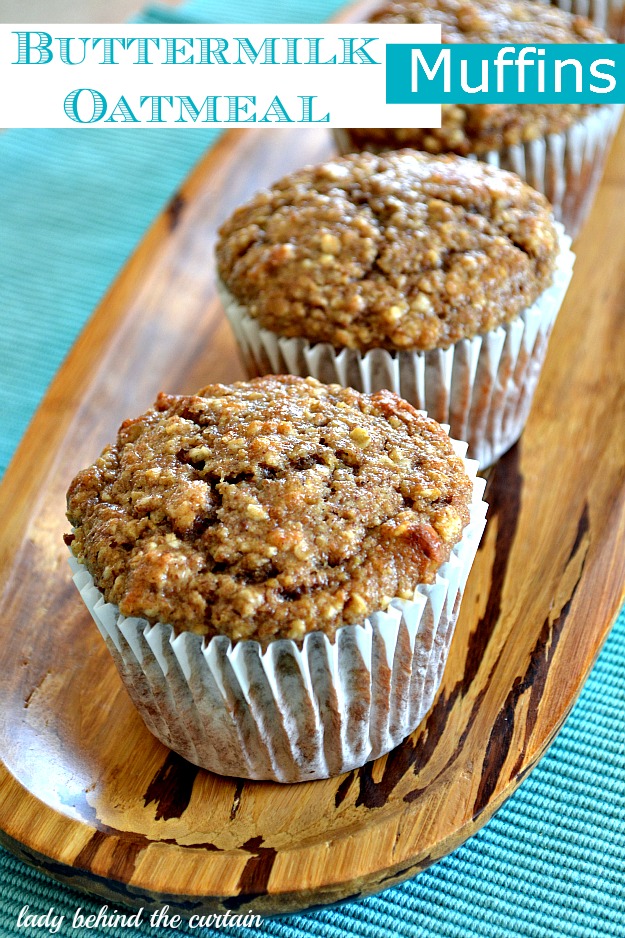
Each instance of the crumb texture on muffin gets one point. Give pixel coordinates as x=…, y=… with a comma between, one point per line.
x=398, y=251
x=268, y=509
x=478, y=128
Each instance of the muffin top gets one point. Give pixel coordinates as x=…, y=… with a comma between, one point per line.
x=496, y=21
x=477, y=128
x=398, y=251
x=268, y=509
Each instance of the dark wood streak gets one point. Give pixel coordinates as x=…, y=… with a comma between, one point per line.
x=413, y=753
x=254, y=879
x=583, y=527
x=103, y=831
x=88, y=852
x=497, y=748
x=534, y=679
x=89, y=816
x=133, y=843
x=406, y=872
x=344, y=787
x=133, y=897
x=504, y=498
x=123, y=859
x=109, y=889
x=398, y=762
x=539, y=666
x=236, y=800
x=419, y=792
x=34, y=690
x=172, y=787
x=174, y=210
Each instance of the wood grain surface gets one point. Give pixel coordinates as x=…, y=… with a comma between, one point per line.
x=87, y=794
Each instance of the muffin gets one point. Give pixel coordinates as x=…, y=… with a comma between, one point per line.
x=276, y=567
x=436, y=277
x=559, y=149
x=608, y=15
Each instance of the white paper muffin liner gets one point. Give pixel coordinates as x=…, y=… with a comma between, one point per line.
x=482, y=387
x=293, y=713
x=566, y=167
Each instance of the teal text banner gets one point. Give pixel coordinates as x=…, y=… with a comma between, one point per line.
x=576, y=73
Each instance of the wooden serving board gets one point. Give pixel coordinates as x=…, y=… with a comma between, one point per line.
x=88, y=795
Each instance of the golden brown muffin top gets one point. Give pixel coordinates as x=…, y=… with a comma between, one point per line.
x=492, y=21
x=268, y=509
x=478, y=128
x=399, y=251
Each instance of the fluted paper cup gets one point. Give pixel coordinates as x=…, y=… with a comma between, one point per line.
x=296, y=711
x=566, y=167
x=482, y=387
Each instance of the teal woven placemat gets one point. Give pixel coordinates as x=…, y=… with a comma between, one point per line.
x=552, y=862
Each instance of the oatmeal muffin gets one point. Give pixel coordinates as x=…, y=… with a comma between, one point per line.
x=232, y=543
x=559, y=149
x=608, y=15
x=433, y=276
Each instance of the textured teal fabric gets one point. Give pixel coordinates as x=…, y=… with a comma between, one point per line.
x=552, y=862
x=247, y=11
x=74, y=204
